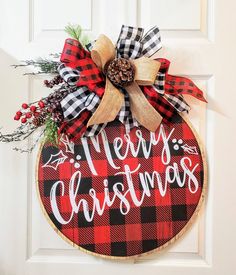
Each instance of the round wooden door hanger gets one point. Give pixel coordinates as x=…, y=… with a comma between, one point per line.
x=121, y=195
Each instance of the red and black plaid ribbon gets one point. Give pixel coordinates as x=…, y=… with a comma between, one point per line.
x=176, y=85
x=77, y=127
x=76, y=57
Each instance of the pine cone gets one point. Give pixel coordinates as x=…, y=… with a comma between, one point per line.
x=120, y=72
x=40, y=120
x=55, y=81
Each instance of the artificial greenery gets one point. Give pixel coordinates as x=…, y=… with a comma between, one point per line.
x=51, y=132
x=75, y=31
x=45, y=66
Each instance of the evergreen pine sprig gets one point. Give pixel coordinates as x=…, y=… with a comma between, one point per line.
x=75, y=31
x=51, y=132
x=45, y=66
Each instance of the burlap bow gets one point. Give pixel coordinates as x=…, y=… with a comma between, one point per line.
x=145, y=74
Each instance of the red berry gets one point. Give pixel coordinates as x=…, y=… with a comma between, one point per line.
x=33, y=108
x=36, y=114
x=23, y=120
x=16, y=117
x=41, y=104
x=25, y=106
x=19, y=113
x=28, y=115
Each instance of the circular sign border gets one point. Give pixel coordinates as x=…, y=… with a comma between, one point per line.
x=158, y=249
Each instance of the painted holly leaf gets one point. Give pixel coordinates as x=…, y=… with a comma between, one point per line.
x=55, y=160
x=69, y=145
x=190, y=149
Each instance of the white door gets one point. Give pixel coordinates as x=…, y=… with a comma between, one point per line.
x=199, y=39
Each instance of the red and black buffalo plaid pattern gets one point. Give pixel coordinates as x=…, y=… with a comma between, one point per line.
x=145, y=228
x=182, y=85
x=178, y=85
x=165, y=109
x=77, y=126
x=76, y=57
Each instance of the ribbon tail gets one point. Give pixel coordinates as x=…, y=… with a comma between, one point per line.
x=178, y=102
x=141, y=109
x=159, y=103
x=75, y=128
x=94, y=130
x=125, y=116
x=109, y=106
x=175, y=85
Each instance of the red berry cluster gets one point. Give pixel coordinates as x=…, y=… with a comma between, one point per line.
x=28, y=112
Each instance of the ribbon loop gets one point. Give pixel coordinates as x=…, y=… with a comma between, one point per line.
x=151, y=42
x=129, y=43
x=81, y=63
x=72, y=52
x=103, y=51
x=132, y=44
x=165, y=64
x=129, y=49
x=77, y=102
x=68, y=74
x=131, y=33
x=146, y=70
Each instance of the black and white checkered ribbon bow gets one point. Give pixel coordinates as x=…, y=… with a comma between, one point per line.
x=82, y=99
x=77, y=102
x=131, y=44
x=68, y=74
